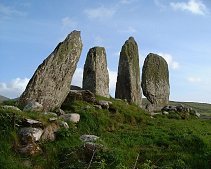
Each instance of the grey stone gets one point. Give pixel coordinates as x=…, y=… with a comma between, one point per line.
x=31, y=123
x=89, y=138
x=72, y=117
x=52, y=119
x=128, y=84
x=33, y=106
x=155, y=81
x=95, y=76
x=29, y=134
x=98, y=106
x=64, y=124
x=50, y=83
x=83, y=95
x=104, y=104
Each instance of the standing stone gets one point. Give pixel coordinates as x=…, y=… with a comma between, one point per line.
x=50, y=83
x=128, y=84
x=155, y=81
x=95, y=76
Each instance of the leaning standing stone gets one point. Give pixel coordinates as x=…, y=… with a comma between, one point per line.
x=95, y=76
x=50, y=83
x=128, y=84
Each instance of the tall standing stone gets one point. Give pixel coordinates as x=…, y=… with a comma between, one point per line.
x=128, y=84
x=51, y=81
x=155, y=81
x=95, y=76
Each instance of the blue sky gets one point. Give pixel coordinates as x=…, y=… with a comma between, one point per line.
x=179, y=30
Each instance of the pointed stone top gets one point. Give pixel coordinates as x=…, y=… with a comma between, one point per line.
x=131, y=38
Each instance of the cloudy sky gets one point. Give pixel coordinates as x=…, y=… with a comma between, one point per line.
x=179, y=30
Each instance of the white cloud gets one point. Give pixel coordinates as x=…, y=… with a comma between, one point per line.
x=169, y=59
x=194, y=6
x=77, y=77
x=100, y=12
x=13, y=88
x=194, y=79
x=68, y=23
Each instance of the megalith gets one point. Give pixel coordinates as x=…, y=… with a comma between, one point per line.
x=155, y=82
x=95, y=75
x=128, y=85
x=51, y=81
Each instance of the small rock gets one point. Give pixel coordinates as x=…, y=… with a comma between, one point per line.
x=97, y=106
x=31, y=123
x=104, y=104
x=33, y=106
x=165, y=112
x=89, y=138
x=64, y=124
x=52, y=119
x=11, y=108
x=29, y=134
x=73, y=117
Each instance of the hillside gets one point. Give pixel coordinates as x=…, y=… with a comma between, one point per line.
x=128, y=137
x=2, y=98
x=202, y=108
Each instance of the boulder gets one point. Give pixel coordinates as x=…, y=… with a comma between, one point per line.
x=72, y=117
x=128, y=85
x=29, y=134
x=155, y=82
x=104, y=104
x=83, y=95
x=51, y=81
x=33, y=106
x=95, y=76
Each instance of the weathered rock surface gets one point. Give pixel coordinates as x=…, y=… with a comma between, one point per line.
x=128, y=84
x=104, y=104
x=95, y=76
x=83, y=95
x=72, y=117
x=28, y=133
x=33, y=106
x=155, y=81
x=50, y=83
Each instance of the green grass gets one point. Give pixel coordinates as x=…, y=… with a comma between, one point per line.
x=124, y=133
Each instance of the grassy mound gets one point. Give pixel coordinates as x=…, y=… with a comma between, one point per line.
x=128, y=134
